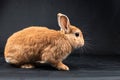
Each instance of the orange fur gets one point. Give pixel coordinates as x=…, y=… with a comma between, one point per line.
x=37, y=43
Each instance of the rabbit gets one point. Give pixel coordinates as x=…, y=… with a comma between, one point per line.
x=41, y=44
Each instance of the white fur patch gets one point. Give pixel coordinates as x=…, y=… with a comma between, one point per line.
x=42, y=62
x=7, y=60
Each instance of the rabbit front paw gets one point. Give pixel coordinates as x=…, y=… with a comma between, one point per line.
x=62, y=66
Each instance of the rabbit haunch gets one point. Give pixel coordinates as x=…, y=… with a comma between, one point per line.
x=40, y=44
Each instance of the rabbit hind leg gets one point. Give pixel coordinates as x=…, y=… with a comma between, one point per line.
x=17, y=63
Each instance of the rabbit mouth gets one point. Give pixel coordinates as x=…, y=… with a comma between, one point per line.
x=80, y=45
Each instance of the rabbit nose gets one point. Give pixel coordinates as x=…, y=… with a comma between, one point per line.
x=82, y=43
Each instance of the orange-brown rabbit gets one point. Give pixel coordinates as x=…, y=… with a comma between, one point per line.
x=40, y=44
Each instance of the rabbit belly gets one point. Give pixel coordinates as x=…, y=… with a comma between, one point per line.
x=55, y=52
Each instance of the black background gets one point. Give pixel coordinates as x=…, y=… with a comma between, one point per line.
x=99, y=20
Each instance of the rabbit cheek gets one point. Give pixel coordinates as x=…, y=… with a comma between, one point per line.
x=77, y=43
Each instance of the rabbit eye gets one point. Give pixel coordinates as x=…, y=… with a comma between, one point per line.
x=76, y=34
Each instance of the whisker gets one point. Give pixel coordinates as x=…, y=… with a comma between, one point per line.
x=87, y=48
x=82, y=50
x=89, y=45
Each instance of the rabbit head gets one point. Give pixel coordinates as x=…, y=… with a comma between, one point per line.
x=73, y=33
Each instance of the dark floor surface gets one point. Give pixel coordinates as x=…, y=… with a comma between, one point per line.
x=84, y=67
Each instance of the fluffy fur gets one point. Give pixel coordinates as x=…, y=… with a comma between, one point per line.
x=40, y=44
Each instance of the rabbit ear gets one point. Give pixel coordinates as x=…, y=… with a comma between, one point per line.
x=63, y=22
